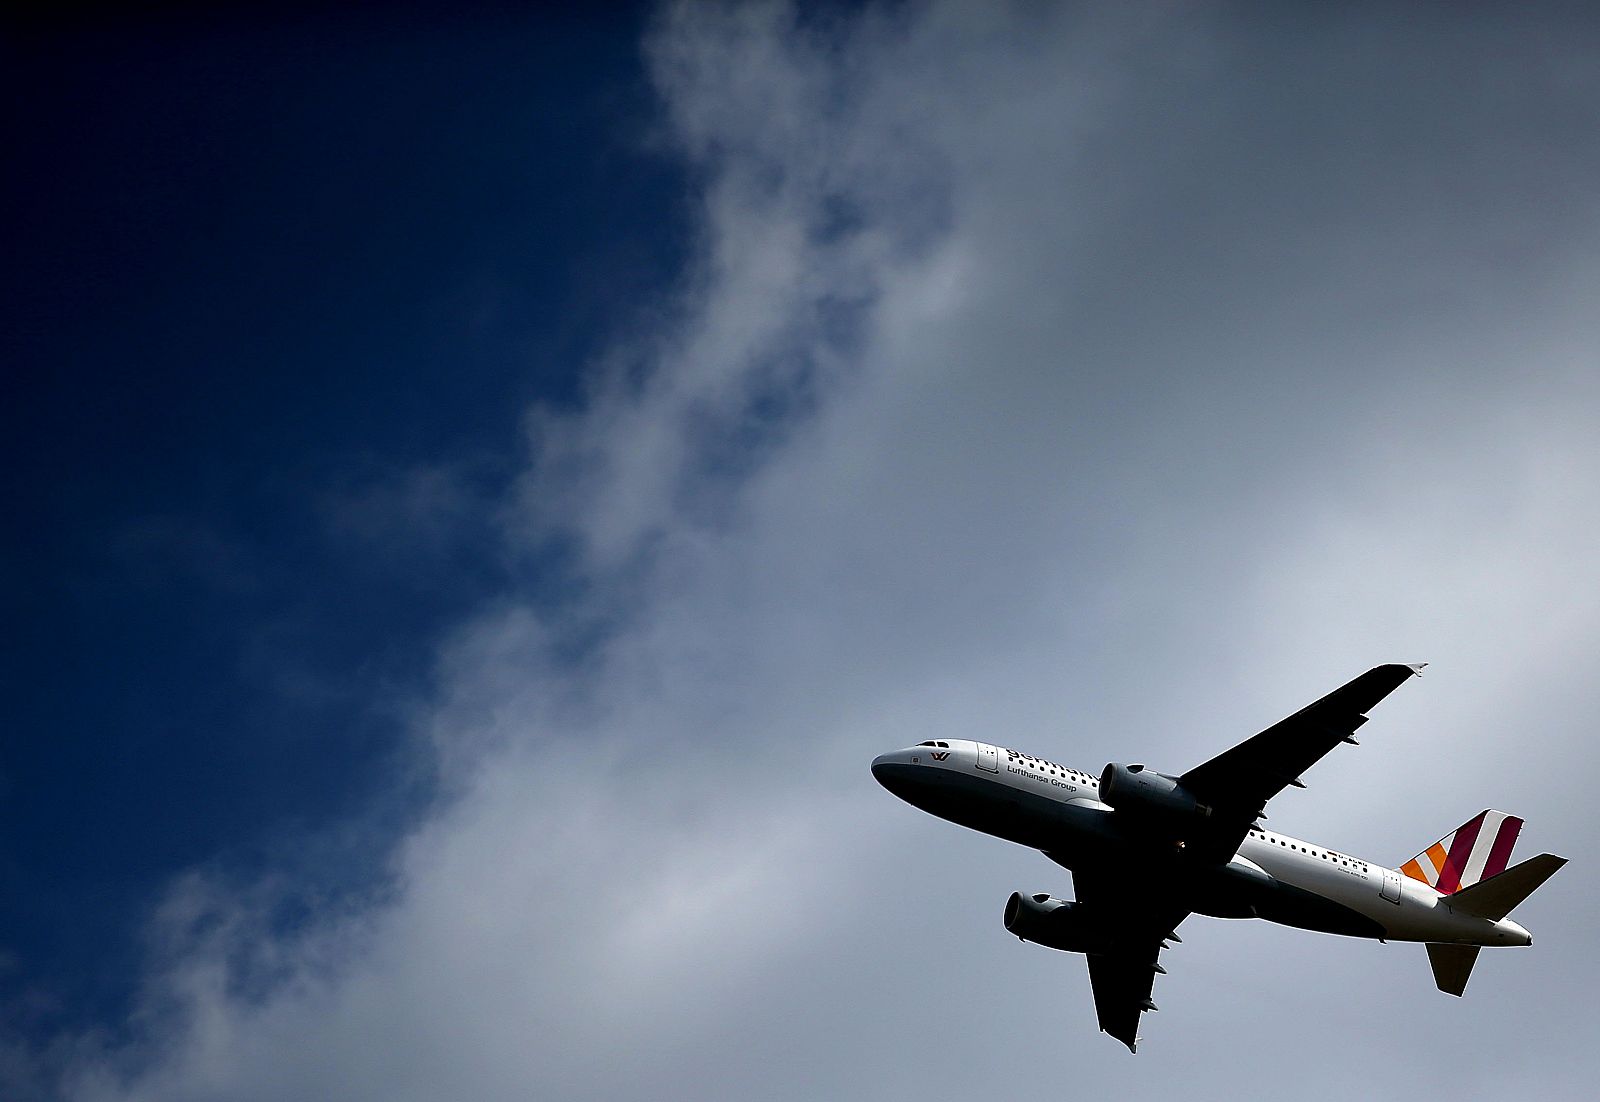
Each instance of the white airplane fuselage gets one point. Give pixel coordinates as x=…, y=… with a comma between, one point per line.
x=1056, y=809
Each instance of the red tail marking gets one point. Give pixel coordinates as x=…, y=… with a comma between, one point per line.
x=1500, y=855
x=1460, y=851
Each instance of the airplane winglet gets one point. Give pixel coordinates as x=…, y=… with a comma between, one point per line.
x=1416, y=667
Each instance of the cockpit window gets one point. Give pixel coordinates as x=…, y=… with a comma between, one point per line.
x=926, y=744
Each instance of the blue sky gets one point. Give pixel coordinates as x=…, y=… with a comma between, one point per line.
x=259, y=265
x=484, y=488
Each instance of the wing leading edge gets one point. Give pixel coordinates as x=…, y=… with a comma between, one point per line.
x=1238, y=783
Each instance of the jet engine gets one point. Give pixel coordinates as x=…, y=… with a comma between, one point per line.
x=1135, y=790
x=1054, y=923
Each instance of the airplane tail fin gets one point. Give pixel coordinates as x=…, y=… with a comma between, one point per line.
x=1492, y=898
x=1476, y=850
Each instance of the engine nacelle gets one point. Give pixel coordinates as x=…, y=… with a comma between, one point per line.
x=1135, y=790
x=1054, y=923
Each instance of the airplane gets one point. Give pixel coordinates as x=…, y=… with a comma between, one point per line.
x=1148, y=849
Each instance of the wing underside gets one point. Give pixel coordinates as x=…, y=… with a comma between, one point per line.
x=1123, y=976
x=1122, y=989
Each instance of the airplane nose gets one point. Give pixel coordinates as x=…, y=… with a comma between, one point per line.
x=880, y=767
x=890, y=771
x=893, y=770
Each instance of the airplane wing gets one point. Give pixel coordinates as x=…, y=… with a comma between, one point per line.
x=1123, y=977
x=1122, y=987
x=1238, y=783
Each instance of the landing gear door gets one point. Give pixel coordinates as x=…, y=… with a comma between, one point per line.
x=1390, y=888
x=988, y=758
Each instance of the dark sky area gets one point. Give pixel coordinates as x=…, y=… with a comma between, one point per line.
x=255, y=265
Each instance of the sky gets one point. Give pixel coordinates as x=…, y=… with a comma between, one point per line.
x=484, y=486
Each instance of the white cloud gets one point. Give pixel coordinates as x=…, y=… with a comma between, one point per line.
x=1152, y=376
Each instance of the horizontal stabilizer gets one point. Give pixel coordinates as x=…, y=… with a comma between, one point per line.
x=1495, y=897
x=1452, y=964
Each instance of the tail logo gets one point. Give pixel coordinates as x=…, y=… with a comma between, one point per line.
x=1474, y=851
